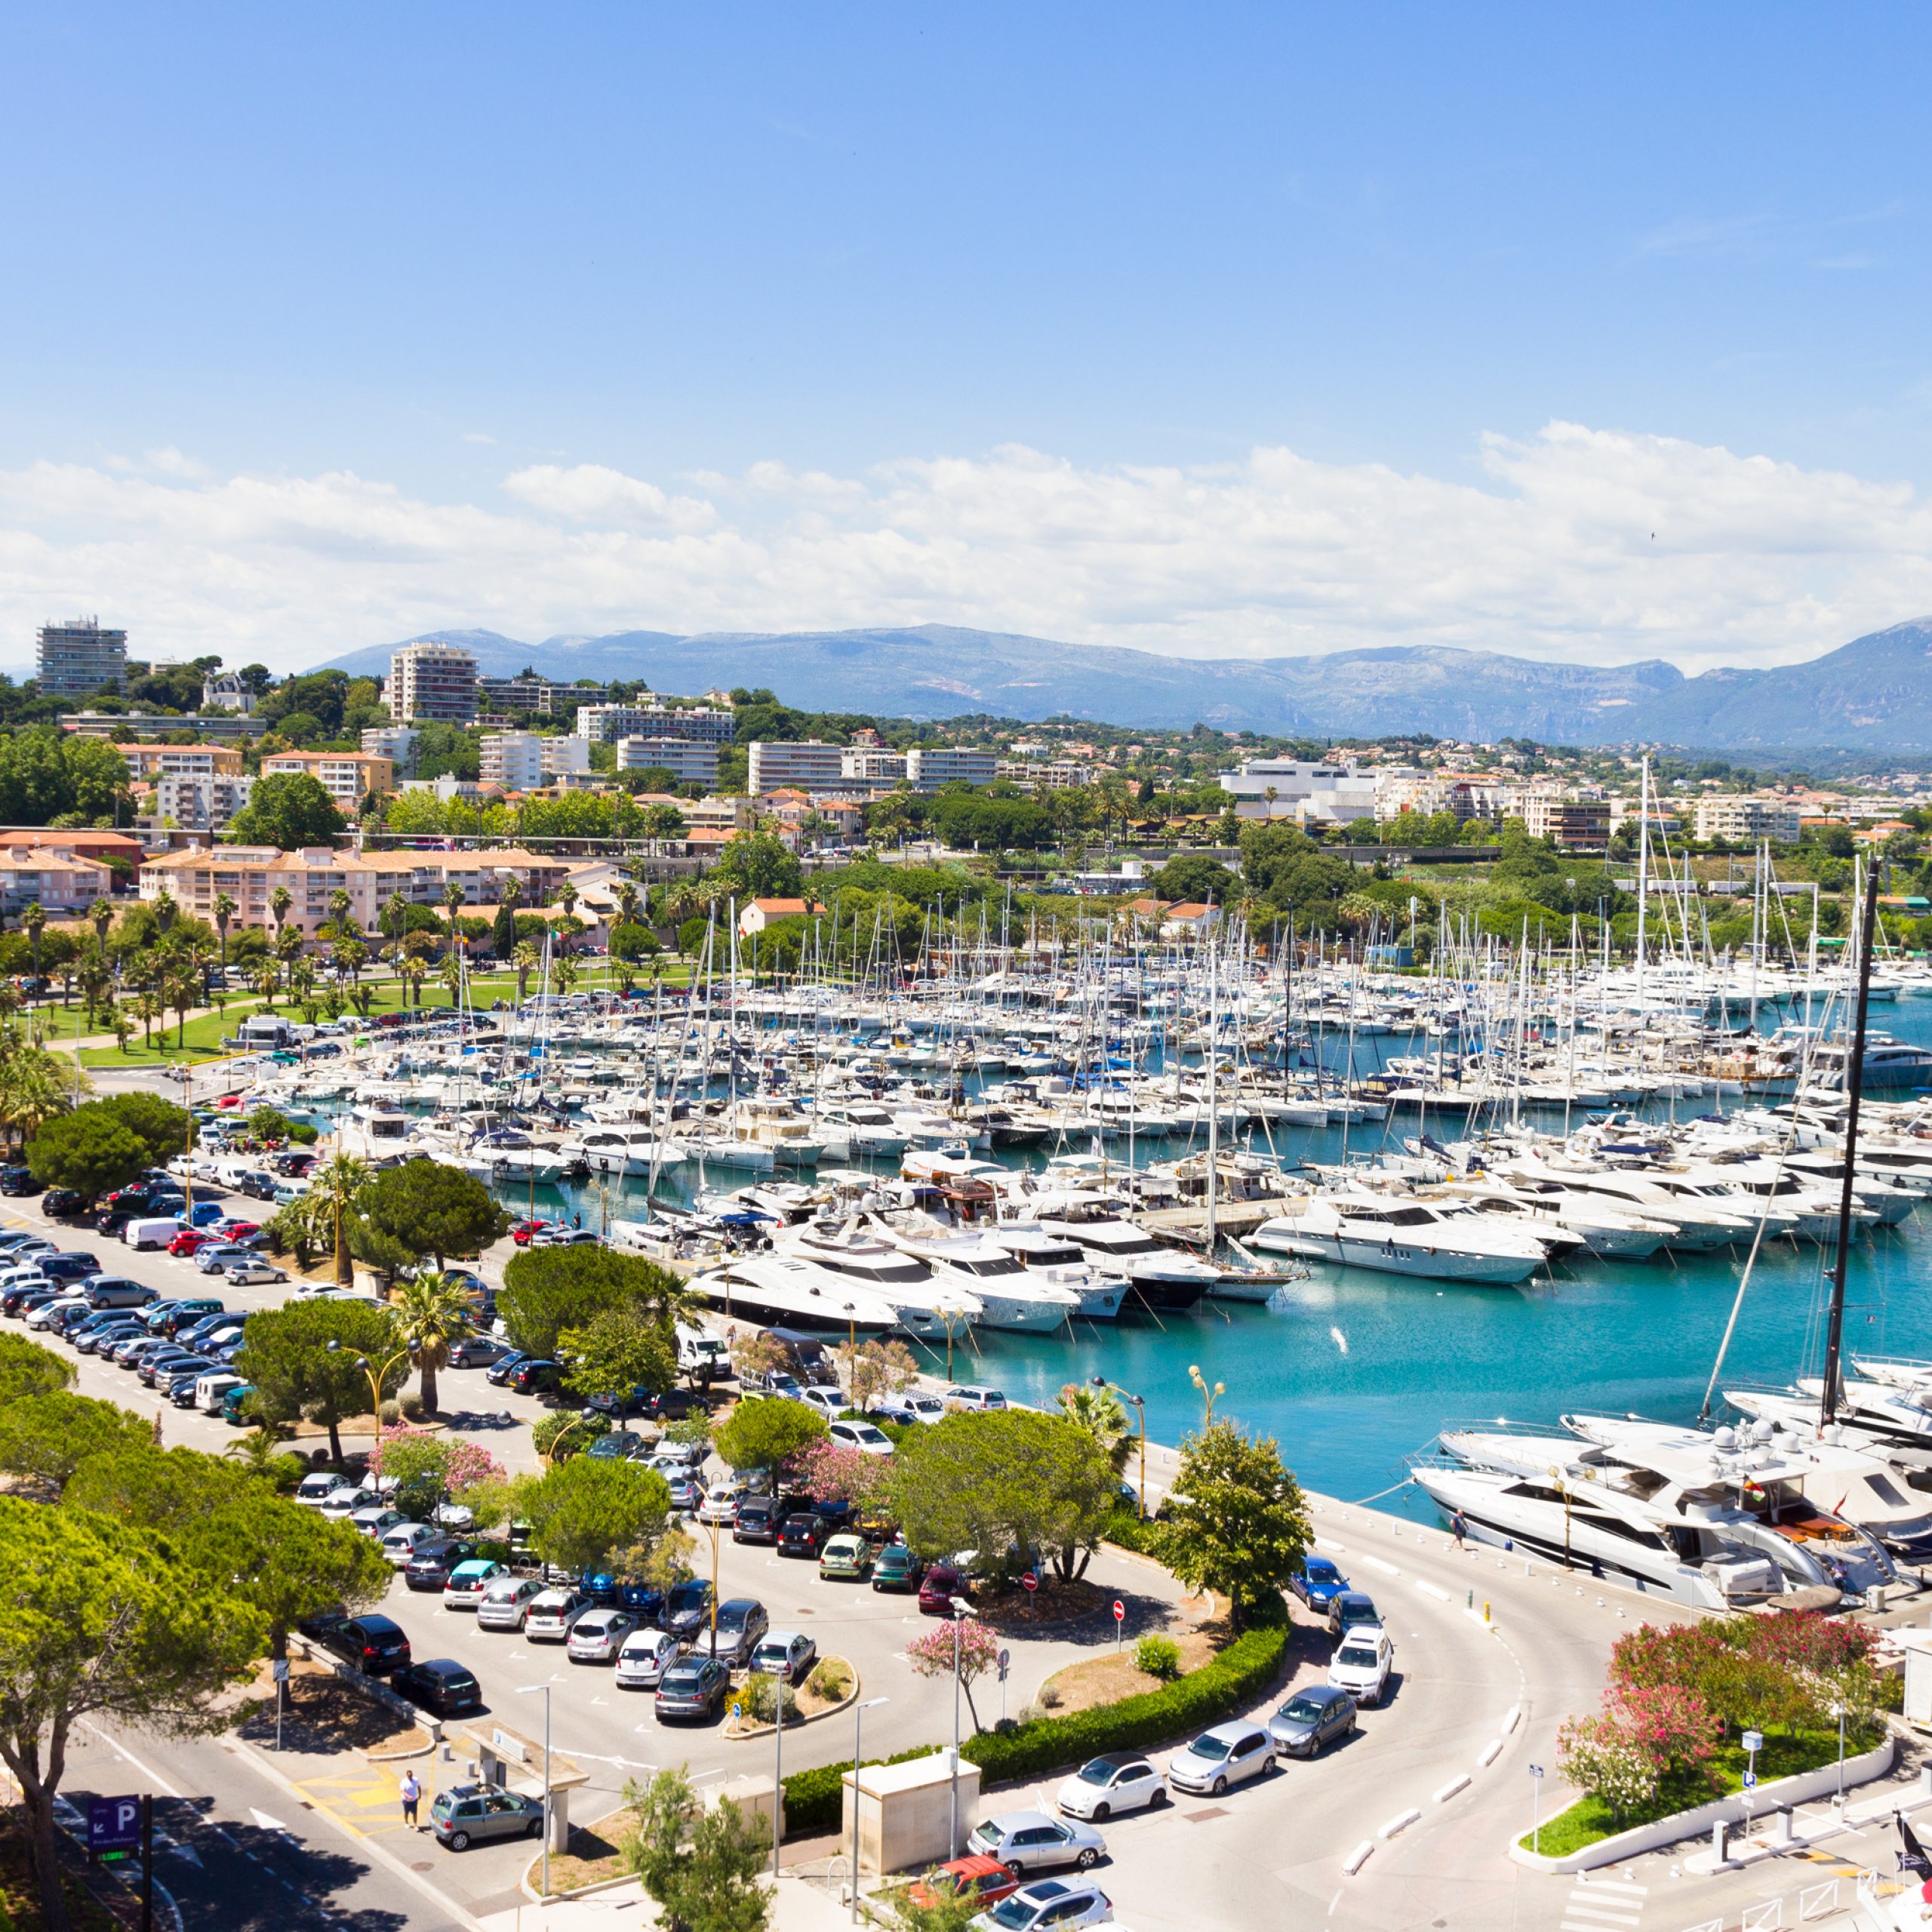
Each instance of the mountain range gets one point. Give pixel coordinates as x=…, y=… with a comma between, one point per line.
x=1875, y=693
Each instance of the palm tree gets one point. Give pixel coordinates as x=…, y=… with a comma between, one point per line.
x=33, y=922
x=1099, y=1412
x=511, y=893
x=526, y=959
x=280, y=900
x=352, y=953
x=165, y=910
x=288, y=944
x=35, y=1087
x=103, y=916
x=452, y=902
x=451, y=973
x=121, y=1024
x=260, y=1452
x=148, y=1009
x=268, y=977
x=567, y=899
x=627, y=904
x=179, y=987
x=432, y=1311
x=563, y=974
x=396, y=917
x=414, y=974
x=339, y=904
x=334, y=1184
x=224, y=911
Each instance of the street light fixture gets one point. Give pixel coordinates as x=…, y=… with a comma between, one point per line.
x=1138, y=1405
x=858, y=1714
x=531, y=1691
x=962, y=1609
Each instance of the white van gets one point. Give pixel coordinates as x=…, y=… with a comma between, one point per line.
x=210, y=1389
x=699, y=1353
x=156, y=1233
x=264, y=1029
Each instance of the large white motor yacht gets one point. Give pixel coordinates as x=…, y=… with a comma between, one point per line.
x=1009, y=1294
x=925, y=1306
x=783, y=1291
x=1434, y=1242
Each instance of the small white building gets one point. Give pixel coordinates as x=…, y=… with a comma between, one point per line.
x=1331, y=791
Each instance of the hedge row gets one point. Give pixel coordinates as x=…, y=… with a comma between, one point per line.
x=1241, y=1674
x=815, y=1801
x=1126, y=1531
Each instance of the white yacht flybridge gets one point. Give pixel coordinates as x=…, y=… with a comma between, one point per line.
x=923, y=1305
x=1435, y=1241
x=1009, y=1294
x=781, y=1291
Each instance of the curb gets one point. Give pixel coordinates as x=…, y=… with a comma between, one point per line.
x=736, y=1731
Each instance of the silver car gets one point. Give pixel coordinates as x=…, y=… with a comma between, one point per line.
x=1229, y=1754
x=506, y=1603
x=598, y=1635
x=646, y=1655
x=1026, y=1842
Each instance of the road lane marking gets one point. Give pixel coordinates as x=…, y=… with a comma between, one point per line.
x=1440, y=1596
x=1491, y=1751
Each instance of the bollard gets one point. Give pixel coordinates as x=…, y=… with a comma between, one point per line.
x=1781, y=1835
x=1925, y=1780
x=1720, y=1840
x=1485, y=1611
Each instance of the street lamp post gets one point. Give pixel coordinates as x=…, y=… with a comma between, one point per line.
x=858, y=1716
x=531, y=1691
x=375, y=1375
x=1536, y=1809
x=1138, y=1405
x=962, y=1609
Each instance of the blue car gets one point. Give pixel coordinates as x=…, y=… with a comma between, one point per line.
x=1319, y=1583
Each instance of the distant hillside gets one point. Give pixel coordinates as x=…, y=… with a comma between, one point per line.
x=1874, y=693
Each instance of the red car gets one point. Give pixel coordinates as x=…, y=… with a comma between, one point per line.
x=187, y=1241
x=523, y=1230
x=992, y=1879
x=938, y=1587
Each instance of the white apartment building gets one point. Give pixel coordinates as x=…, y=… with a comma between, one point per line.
x=347, y=777
x=1744, y=821
x=78, y=658
x=605, y=724
x=811, y=765
x=202, y=803
x=535, y=694
x=526, y=761
x=1325, y=791
x=871, y=765
x=1037, y=775
x=686, y=759
x=55, y=880
x=928, y=767
x=396, y=742
x=1467, y=794
x=428, y=680
x=156, y=762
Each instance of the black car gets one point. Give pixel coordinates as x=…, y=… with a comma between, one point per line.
x=430, y=1564
x=441, y=1685
x=65, y=1204
x=76, y=1266
x=649, y=1404
x=15, y=1300
x=535, y=1376
x=687, y=1607
x=18, y=1180
x=374, y=1645
x=803, y=1534
x=693, y=1687
x=499, y=1371
x=617, y=1445
x=757, y=1521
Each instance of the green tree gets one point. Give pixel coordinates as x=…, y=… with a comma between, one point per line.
x=702, y=1866
x=582, y=1509
x=286, y=1354
x=432, y=1311
x=1003, y=1483
x=1192, y=875
x=160, y=1126
x=431, y=1210
x=1237, y=1519
x=91, y=1150
x=629, y=1345
x=290, y=1563
x=764, y=1430
x=45, y=1439
x=756, y=865
x=1103, y=1415
x=101, y=1621
x=27, y=1369
x=289, y=810
x=548, y=1290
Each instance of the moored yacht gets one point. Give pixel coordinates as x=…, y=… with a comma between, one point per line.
x=1434, y=1242
x=1009, y=1294
x=923, y=1305
x=783, y=1291
x=1159, y=1279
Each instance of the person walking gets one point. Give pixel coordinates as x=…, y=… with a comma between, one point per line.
x=1457, y=1527
x=412, y=1793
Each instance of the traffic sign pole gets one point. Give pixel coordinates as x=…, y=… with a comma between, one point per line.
x=147, y=1862
x=1120, y=1624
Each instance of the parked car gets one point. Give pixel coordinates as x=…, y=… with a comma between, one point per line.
x=120, y=1291
x=986, y=1878
x=938, y=1587
x=787, y=1653
x=468, y=1578
x=374, y=1645
x=1311, y=1719
x=64, y=1203
x=741, y=1624
x=688, y=1608
x=505, y=1602
x=77, y=1264
x=187, y=1315
x=523, y=1232
x=1026, y=1841
x=829, y=1402
x=756, y=1520
x=476, y=1352
x=1349, y=1607
x=721, y=1501
x=646, y=1656
x=617, y=1445
x=442, y=1685
x=1362, y=1662
x=911, y=1406
x=466, y=1814
x=1051, y=1902
x=1225, y=1755
x=216, y=1257
x=687, y=1493
x=534, y=1376
x=376, y=1520
x=693, y=1687
x=178, y=1383
x=401, y=1541
x=1116, y=1781
x=340, y=1503
x=245, y=1274
x=972, y=1395
x=897, y=1568
x=312, y=1491
x=803, y=1534
x=598, y=1635
x=549, y=1616
x=863, y=1435
x=848, y=1555
x=499, y=1371
x=190, y=1241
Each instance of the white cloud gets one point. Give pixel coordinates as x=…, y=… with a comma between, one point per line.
x=1552, y=554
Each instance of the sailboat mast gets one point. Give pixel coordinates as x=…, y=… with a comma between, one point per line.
x=1854, y=1086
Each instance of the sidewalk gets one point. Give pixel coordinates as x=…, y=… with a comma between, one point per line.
x=798, y=1907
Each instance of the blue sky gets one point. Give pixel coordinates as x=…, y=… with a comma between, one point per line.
x=328, y=325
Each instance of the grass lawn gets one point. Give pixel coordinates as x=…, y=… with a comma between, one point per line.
x=1589, y=1819
x=203, y=1037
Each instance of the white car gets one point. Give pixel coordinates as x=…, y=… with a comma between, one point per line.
x=26, y=1275
x=598, y=1635
x=505, y=1601
x=551, y=1613
x=1227, y=1755
x=971, y=1395
x=645, y=1657
x=244, y=1274
x=314, y=1491
x=860, y=1435
x=1362, y=1662
x=1105, y=1786
x=829, y=1402
x=51, y=1312
x=376, y=1521
x=911, y=1407
x=342, y=1503
x=721, y=1502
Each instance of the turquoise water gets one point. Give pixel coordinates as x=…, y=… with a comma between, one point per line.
x=1351, y=1372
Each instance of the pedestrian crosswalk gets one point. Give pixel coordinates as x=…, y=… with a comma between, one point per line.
x=1604, y=1905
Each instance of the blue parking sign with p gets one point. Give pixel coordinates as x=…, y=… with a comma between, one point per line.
x=114, y=1824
